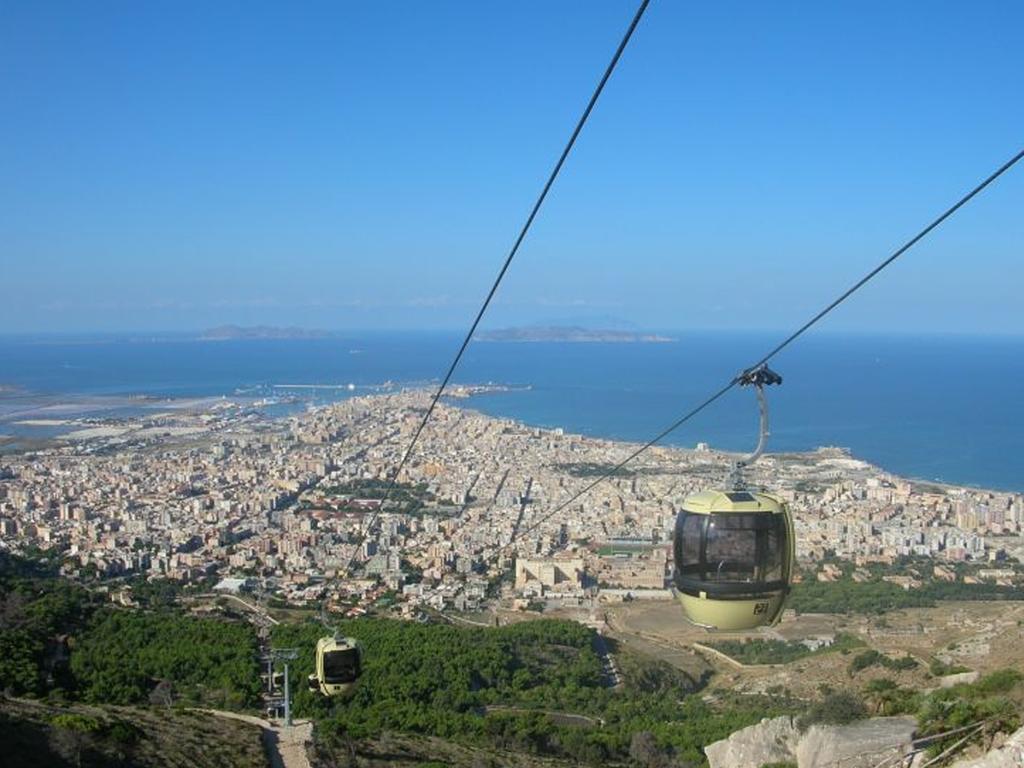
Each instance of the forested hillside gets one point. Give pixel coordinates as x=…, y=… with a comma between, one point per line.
x=535, y=687
x=40, y=734
x=208, y=661
x=60, y=640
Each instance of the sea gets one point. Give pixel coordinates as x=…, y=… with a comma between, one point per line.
x=939, y=408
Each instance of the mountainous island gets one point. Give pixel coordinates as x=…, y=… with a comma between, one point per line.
x=571, y=333
x=237, y=332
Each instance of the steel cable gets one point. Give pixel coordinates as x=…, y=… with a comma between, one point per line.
x=785, y=343
x=504, y=268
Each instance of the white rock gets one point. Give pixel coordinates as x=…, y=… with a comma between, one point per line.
x=766, y=742
x=858, y=745
x=948, y=681
x=1010, y=755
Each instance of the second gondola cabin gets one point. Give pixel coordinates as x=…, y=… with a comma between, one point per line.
x=734, y=554
x=338, y=666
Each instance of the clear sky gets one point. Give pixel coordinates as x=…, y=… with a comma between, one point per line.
x=174, y=165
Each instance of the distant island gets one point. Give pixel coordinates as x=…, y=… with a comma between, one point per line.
x=234, y=332
x=568, y=333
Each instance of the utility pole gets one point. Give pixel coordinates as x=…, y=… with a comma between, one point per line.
x=287, y=698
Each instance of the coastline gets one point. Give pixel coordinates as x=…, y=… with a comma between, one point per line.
x=151, y=416
x=876, y=395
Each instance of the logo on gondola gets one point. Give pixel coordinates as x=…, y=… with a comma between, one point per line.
x=761, y=607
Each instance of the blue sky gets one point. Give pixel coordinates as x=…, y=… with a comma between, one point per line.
x=342, y=165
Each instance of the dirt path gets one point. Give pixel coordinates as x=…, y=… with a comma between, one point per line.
x=255, y=609
x=569, y=718
x=286, y=746
x=609, y=667
x=675, y=652
x=291, y=744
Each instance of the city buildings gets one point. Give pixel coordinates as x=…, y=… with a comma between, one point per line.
x=286, y=503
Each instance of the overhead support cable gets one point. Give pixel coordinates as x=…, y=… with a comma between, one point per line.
x=781, y=346
x=504, y=268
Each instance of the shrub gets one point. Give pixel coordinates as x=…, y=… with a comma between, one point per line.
x=902, y=663
x=864, y=660
x=835, y=709
x=939, y=668
x=1000, y=681
x=73, y=722
x=872, y=658
x=123, y=732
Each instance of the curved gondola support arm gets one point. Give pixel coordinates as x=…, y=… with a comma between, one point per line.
x=758, y=378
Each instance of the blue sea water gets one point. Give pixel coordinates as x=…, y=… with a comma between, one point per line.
x=942, y=408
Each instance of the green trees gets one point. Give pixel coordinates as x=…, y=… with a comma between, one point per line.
x=116, y=656
x=536, y=686
x=122, y=655
x=939, y=668
x=837, y=708
x=844, y=596
x=994, y=703
x=761, y=651
x=871, y=658
x=405, y=498
x=34, y=610
x=875, y=597
x=885, y=697
x=422, y=671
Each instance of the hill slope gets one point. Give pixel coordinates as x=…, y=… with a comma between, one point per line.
x=37, y=734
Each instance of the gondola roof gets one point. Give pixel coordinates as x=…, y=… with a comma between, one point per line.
x=707, y=502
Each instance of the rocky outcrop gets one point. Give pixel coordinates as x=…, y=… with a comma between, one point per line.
x=858, y=745
x=1009, y=755
x=769, y=741
x=948, y=681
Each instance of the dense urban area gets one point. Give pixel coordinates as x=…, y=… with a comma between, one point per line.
x=283, y=505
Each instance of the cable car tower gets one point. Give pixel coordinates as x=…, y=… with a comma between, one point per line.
x=273, y=656
x=734, y=548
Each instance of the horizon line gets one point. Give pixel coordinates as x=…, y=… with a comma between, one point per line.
x=196, y=333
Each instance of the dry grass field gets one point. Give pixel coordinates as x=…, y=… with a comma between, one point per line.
x=981, y=636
